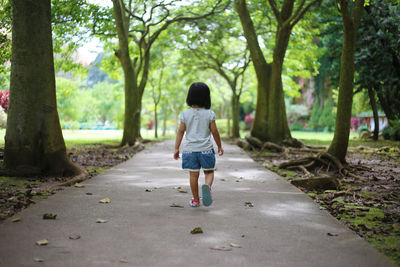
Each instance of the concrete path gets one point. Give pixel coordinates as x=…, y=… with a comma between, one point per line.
x=284, y=228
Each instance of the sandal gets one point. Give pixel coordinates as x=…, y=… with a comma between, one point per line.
x=194, y=203
x=206, y=194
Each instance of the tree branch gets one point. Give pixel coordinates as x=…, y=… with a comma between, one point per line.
x=274, y=8
x=300, y=15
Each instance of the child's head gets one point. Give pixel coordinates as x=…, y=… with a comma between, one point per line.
x=199, y=94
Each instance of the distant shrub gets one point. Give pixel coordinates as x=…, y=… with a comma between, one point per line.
x=315, y=114
x=392, y=132
x=4, y=99
x=296, y=127
x=327, y=118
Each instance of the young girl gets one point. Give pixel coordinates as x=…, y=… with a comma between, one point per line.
x=198, y=151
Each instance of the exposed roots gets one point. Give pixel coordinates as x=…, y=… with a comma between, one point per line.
x=321, y=161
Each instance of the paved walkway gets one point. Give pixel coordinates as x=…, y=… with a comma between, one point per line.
x=284, y=228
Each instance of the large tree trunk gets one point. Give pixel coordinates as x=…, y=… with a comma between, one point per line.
x=34, y=143
x=277, y=119
x=131, y=88
x=262, y=69
x=340, y=142
x=235, y=115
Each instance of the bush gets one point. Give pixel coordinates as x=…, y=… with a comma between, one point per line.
x=296, y=112
x=296, y=127
x=327, y=118
x=392, y=132
x=315, y=114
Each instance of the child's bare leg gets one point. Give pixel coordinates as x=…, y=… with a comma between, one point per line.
x=209, y=177
x=194, y=184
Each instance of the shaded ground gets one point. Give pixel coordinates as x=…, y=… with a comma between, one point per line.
x=368, y=204
x=17, y=193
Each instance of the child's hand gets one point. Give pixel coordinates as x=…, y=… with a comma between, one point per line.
x=220, y=151
x=176, y=154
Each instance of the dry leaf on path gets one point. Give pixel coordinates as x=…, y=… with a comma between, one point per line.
x=16, y=219
x=148, y=190
x=221, y=248
x=173, y=205
x=38, y=259
x=74, y=237
x=182, y=191
x=43, y=242
x=89, y=194
x=235, y=245
x=101, y=220
x=123, y=261
x=78, y=185
x=332, y=234
x=196, y=230
x=249, y=204
x=105, y=200
x=49, y=216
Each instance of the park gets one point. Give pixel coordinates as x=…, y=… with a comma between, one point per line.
x=304, y=94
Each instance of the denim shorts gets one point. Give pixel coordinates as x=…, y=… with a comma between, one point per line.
x=193, y=161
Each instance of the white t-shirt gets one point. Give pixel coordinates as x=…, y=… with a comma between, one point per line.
x=198, y=133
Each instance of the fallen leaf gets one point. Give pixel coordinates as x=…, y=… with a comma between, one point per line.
x=173, y=205
x=177, y=187
x=105, y=200
x=235, y=245
x=196, y=230
x=332, y=234
x=101, y=220
x=49, y=216
x=74, y=237
x=38, y=259
x=88, y=193
x=123, y=261
x=221, y=248
x=43, y=242
x=18, y=219
x=182, y=191
x=78, y=185
x=148, y=190
x=223, y=180
x=249, y=204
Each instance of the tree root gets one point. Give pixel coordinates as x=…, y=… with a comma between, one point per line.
x=321, y=160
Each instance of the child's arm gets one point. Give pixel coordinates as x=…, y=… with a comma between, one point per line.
x=179, y=136
x=217, y=138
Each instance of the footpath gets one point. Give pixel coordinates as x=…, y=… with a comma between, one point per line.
x=148, y=221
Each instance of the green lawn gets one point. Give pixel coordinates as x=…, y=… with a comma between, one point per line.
x=111, y=137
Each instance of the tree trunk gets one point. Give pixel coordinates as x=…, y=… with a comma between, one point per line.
x=277, y=119
x=164, y=131
x=262, y=69
x=340, y=142
x=155, y=122
x=372, y=101
x=235, y=115
x=34, y=144
x=131, y=88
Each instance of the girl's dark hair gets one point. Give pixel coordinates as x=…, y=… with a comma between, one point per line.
x=199, y=94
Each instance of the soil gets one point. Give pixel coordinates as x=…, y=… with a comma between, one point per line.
x=17, y=193
x=368, y=202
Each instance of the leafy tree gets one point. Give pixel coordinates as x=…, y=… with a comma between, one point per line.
x=270, y=122
x=223, y=51
x=34, y=143
x=378, y=57
x=351, y=15
x=327, y=118
x=5, y=35
x=138, y=25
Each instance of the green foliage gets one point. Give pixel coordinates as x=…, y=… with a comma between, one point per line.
x=392, y=132
x=5, y=36
x=315, y=114
x=296, y=112
x=327, y=118
x=378, y=56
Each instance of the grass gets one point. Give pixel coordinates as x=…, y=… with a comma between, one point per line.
x=109, y=137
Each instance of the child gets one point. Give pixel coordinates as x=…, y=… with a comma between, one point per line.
x=198, y=152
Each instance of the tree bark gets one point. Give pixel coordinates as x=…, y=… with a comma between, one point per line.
x=372, y=101
x=235, y=115
x=340, y=142
x=263, y=72
x=34, y=144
